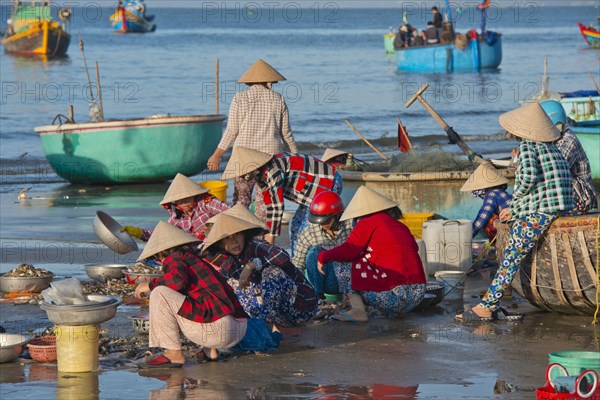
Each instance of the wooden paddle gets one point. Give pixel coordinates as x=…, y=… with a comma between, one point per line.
x=366, y=141
x=452, y=135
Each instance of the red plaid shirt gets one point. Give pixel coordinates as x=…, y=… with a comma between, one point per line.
x=295, y=177
x=207, y=207
x=208, y=295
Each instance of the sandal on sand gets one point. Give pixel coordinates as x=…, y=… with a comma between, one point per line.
x=203, y=357
x=508, y=315
x=160, y=361
x=470, y=316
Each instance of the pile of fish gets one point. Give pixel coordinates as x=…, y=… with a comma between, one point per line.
x=141, y=268
x=113, y=287
x=27, y=270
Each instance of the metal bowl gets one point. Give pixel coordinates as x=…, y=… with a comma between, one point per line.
x=109, y=231
x=24, y=284
x=105, y=272
x=11, y=346
x=81, y=314
x=437, y=289
x=427, y=301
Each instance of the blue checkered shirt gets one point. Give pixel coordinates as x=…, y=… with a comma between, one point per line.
x=494, y=201
x=314, y=235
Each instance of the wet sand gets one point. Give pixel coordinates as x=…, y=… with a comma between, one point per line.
x=424, y=355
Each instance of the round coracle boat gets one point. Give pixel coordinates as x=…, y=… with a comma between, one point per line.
x=561, y=273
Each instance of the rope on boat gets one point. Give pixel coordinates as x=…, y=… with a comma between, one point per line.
x=595, y=320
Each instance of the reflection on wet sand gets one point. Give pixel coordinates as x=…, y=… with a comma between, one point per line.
x=77, y=386
x=182, y=384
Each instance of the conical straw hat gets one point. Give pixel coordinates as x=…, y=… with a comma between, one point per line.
x=530, y=122
x=244, y=160
x=332, y=153
x=226, y=225
x=261, y=72
x=485, y=176
x=366, y=201
x=165, y=236
x=182, y=187
x=241, y=212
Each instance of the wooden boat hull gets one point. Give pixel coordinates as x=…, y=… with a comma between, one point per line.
x=420, y=192
x=43, y=38
x=125, y=21
x=131, y=151
x=560, y=275
x=591, y=36
x=476, y=56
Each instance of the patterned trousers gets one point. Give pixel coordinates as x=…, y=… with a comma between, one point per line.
x=524, y=235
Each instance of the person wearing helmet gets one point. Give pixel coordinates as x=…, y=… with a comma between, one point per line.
x=325, y=231
x=189, y=206
x=379, y=262
x=573, y=152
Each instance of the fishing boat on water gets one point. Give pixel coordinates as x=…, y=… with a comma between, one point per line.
x=141, y=150
x=130, y=17
x=561, y=273
x=591, y=35
x=454, y=52
x=32, y=31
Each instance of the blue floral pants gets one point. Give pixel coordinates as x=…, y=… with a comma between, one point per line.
x=524, y=235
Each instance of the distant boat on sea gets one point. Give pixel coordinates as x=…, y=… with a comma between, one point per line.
x=31, y=30
x=130, y=17
x=591, y=35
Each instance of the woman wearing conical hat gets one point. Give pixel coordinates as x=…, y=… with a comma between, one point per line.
x=191, y=297
x=266, y=282
x=189, y=206
x=295, y=177
x=542, y=190
x=486, y=183
x=379, y=263
x=258, y=119
x=340, y=159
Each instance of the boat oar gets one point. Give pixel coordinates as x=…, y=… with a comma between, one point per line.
x=452, y=135
x=366, y=141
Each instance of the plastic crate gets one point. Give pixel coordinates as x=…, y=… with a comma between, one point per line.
x=414, y=221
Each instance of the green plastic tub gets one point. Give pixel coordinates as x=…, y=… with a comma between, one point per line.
x=576, y=362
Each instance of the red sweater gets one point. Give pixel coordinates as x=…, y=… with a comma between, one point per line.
x=383, y=252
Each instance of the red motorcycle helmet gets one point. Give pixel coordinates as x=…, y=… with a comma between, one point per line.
x=324, y=206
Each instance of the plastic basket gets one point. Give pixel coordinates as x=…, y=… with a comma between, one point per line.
x=43, y=349
x=547, y=392
x=414, y=221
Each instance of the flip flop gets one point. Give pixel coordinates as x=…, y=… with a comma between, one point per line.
x=203, y=357
x=342, y=316
x=160, y=361
x=470, y=316
x=508, y=315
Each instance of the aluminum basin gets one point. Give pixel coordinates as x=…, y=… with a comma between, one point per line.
x=11, y=346
x=24, y=284
x=82, y=314
x=109, y=231
x=105, y=272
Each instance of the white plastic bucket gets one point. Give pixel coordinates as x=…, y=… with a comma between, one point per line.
x=422, y=254
x=454, y=283
x=448, y=244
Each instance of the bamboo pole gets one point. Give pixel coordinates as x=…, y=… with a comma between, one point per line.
x=366, y=141
x=595, y=83
x=71, y=116
x=99, y=91
x=86, y=68
x=217, y=87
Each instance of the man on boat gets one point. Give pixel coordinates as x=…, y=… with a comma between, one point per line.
x=573, y=152
x=258, y=120
x=431, y=33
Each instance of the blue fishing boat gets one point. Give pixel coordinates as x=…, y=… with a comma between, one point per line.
x=479, y=52
x=130, y=17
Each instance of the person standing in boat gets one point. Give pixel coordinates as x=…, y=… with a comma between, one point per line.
x=259, y=120
x=324, y=232
x=189, y=206
x=579, y=164
x=379, y=262
x=295, y=177
x=542, y=191
x=486, y=183
x=431, y=33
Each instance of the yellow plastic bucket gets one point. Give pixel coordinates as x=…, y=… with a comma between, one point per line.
x=216, y=188
x=77, y=347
